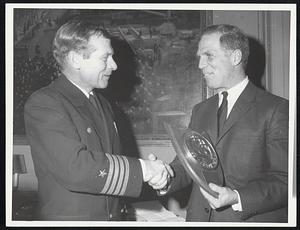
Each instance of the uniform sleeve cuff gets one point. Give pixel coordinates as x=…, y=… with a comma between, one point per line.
x=237, y=206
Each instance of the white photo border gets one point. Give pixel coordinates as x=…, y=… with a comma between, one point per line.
x=292, y=202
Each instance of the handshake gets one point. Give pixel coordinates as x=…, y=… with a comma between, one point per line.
x=157, y=173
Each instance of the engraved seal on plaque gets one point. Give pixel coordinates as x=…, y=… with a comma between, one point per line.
x=196, y=154
x=200, y=149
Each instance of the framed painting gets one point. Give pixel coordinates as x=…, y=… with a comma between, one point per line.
x=157, y=79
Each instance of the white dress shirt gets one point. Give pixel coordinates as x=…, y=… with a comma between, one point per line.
x=87, y=94
x=233, y=95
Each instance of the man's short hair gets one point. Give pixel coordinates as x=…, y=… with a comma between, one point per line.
x=232, y=38
x=74, y=36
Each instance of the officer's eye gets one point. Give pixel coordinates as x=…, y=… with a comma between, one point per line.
x=103, y=58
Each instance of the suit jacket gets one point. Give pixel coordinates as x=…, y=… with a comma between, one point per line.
x=77, y=157
x=253, y=154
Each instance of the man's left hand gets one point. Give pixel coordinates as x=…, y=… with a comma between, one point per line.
x=226, y=196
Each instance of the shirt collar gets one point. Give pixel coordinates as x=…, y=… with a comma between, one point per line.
x=82, y=90
x=234, y=93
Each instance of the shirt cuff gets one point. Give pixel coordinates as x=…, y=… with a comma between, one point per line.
x=238, y=206
x=164, y=190
x=146, y=177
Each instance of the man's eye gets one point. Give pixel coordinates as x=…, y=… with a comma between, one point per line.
x=103, y=59
x=210, y=56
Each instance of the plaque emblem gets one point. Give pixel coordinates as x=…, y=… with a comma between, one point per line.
x=196, y=154
x=200, y=149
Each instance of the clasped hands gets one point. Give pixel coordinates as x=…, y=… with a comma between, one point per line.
x=158, y=173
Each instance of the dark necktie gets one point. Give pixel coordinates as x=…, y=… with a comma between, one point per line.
x=93, y=101
x=222, y=112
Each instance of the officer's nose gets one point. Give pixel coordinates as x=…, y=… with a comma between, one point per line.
x=112, y=64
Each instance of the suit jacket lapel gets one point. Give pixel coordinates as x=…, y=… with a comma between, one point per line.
x=241, y=106
x=210, y=122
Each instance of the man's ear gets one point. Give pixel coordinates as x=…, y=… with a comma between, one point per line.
x=236, y=57
x=75, y=59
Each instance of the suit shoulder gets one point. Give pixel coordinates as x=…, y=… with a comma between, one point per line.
x=271, y=104
x=270, y=99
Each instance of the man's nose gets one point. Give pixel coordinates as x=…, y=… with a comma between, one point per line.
x=112, y=64
x=202, y=62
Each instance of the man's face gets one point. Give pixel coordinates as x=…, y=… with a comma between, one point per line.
x=95, y=71
x=215, y=62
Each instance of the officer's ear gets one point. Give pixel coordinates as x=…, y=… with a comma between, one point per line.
x=236, y=57
x=75, y=59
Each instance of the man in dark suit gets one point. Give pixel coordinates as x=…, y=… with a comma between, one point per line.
x=73, y=137
x=251, y=141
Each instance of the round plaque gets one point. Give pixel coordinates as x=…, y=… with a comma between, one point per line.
x=200, y=150
x=196, y=154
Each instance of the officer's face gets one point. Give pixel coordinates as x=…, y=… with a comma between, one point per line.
x=215, y=62
x=95, y=70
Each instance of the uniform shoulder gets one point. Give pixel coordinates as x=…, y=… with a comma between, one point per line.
x=42, y=96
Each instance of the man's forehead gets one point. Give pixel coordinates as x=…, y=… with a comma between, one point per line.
x=94, y=40
x=100, y=43
x=212, y=38
x=209, y=41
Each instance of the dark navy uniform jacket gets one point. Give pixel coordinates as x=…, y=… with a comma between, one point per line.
x=77, y=156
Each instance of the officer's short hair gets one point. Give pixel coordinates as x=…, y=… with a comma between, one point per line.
x=74, y=36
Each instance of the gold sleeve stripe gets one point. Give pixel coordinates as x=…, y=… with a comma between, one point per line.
x=121, y=176
x=126, y=176
x=116, y=175
x=110, y=173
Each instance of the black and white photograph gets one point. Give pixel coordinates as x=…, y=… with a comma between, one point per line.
x=150, y=114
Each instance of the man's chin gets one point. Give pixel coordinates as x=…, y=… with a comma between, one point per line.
x=209, y=83
x=102, y=85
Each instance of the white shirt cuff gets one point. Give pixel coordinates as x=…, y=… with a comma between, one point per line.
x=146, y=177
x=164, y=190
x=237, y=206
